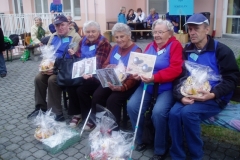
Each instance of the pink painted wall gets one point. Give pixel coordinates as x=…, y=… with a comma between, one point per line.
x=107, y=10
x=100, y=15
x=141, y=4
x=200, y=6
x=5, y=7
x=113, y=8
x=28, y=6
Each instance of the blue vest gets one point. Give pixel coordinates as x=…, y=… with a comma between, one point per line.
x=162, y=62
x=208, y=58
x=124, y=59
x=64, y=43
x=88, y=51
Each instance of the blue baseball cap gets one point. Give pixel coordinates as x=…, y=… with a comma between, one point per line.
x=60, y=19
x=198, y=19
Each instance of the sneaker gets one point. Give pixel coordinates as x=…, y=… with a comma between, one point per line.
x=75, y=121
x=141, y=38
x=60, y=118
x=35, y=113
x=3, y=75
x=89, y=126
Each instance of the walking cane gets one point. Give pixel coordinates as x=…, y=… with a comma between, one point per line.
x=85, y=122
x=139, y=115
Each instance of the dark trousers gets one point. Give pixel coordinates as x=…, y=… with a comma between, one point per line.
x=113, y=100
x=47, y=85
x=80, y=97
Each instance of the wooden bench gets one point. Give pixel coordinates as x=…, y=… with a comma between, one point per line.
x=111, y=38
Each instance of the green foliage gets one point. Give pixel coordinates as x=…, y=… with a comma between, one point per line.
x=221, y=134
x=238, y=60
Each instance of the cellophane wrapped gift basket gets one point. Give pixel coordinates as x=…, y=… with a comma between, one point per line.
x=107, y=144
x=55, y=136
x=199, y=78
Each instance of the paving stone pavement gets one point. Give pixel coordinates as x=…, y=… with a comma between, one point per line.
x=16, y=132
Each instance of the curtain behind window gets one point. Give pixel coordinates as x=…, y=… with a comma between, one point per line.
x=159, y=5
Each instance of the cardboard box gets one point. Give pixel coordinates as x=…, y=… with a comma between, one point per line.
x=109, y=36
x=61, y=141
x=182, y=38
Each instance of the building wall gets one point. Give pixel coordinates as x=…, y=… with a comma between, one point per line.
x=200, y=6
x=100, y=15
x=28, y=6
x=6, y=6
x=107, y=10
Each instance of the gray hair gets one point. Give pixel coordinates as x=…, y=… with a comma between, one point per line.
x=121, y=27
x=122, y=8
x=39, y=18
x=92, y=24
x=69, y=16
x=153, y=9
x=168, y=24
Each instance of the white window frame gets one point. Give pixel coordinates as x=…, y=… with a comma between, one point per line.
x=19, y=7
x=42, y=5
x=226, y=16
x=72, y=10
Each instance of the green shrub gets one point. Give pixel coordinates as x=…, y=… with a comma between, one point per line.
x=238, y=60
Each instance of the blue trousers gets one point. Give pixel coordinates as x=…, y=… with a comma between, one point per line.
x=159, y=116
x=184, y=121
x=3, y=69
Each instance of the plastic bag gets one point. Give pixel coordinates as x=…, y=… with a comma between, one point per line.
x=199, y=79
x=55, y=136
x=120, y=70
x=46, y=125
x=25, y=56
x=107, y=144
x=48, y=54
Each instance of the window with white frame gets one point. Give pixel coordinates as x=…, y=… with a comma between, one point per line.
x=72, y=6
x=41, y=6
x=161, y=6
x=18, y=6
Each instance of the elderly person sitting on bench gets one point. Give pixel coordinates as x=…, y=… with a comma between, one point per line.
x=168, y=66
x=46, y=82
x=93, y=44
x=113, y=97
x=187, y=114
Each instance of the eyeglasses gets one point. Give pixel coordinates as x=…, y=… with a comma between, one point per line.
x=159, y=32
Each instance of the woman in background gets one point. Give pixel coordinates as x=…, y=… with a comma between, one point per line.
x=131, y=16
x=37, y=32
x=121, y=16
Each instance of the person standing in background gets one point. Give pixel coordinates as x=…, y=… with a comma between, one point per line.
x=121, y=16
x=174, y=19
x=56, y=6
x=3, y=69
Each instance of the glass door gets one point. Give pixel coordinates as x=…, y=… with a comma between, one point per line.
x=17, y=6
x=233, y=17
